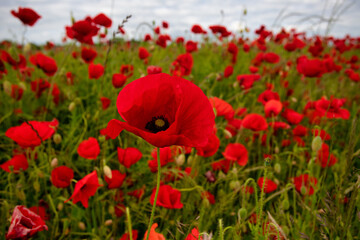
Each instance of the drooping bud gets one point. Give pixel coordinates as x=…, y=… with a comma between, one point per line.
x=57, y=138
x=107, y=171
x=180, y=160
x=82, y=226
x=316, y=143
x=243, y=213
x=277, y=167
x=54, y=162
x=72, y=106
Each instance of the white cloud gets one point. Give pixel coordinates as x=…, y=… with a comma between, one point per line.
x=180, y=15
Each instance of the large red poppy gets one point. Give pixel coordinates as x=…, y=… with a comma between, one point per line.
x=164, y=110
x=24, y=224
x=26, y=15
x=45, y=63
x=85, y=188
x=28, y=133
x=168, y=197
x=17, y=162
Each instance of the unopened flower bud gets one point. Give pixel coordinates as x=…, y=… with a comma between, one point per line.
x=316, y=143
x=36, y=186
x=303, y=190
x=243, y=213
x=277, y=167
x=102, y=138
x=72, y=106
x=180, y=160
x=108, y=222
x=227, y=133
x=7, y=87
x=107, y=171
x=27, y=48
x=235, y=185
x=22, y=85
x=60, y=206
x=285, y=204
x=82, y=226
x=111, y=210
x=57, y=138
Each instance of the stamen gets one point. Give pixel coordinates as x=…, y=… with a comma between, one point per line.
x=157, y=124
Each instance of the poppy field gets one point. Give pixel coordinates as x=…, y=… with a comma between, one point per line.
x=217, y=135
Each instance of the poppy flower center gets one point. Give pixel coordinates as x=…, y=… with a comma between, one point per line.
x=157, y=124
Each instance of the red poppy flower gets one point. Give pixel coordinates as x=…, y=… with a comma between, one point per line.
x=40, y=211
x=6, y=57
x=233, y=126
x=236, y=152
x=24, y=224
x=105, y=102
x=182, y=65
x=271, y=57
x=210, y=148
x=165, y=24
x=223, y=165
x=220, y=29
x=102, y=20
x=332, y=108
x=95, y=71
x=222, y=107
x=194, y=235
x=191, y=46
x=324, y=135
x=128, y=156
x=16, y=92
x=126, y=236
x=300, y=131
x=25, y=136
x=85, y=188
x=89, y=148
x=324, y=158
x=197, y=29
x=127, y=70
x=292, y=117
x=17, y=162
x=166, y=156
x=83, y=31
x=233, y=49
x=180, y=40
x=164, y=110
x=208, y=196
x=116, y=180
x=118, y=80
x=153, y=70
x=143, y=53
x=26, y=15
x=268, y=95
x=45, y=63
x=310, y=67
x=269, y=187
x=272, y=108
x=88, y=54
x=153, y=235
x=168, y=197
x=138, y=193
x=228, y=71
x=39, y=86
x=61, y=176
x=307, y=182
x=246, y=81
x=255, y=122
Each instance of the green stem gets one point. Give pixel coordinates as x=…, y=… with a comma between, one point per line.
x=156, y=194
x=129, y=223
x=260, y=209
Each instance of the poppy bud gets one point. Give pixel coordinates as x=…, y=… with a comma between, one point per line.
x=277, y=167
x=303, y=190
x=7, y=87
x=57, y=138
x=235, y=185
x=107, y=171
x=108, y=222
x=227, y=133
x=72, y=106
x=77, y=101
x=190, y=159
x=180, y=160
x=60, y=206
x=285, y=204
x=205, y=202
x=82, y=226
x=316, y=143
x=243, y=213
x=36, y=186
x=22, y=85
x=102, y=138
x=20, y=195
x=111, y=210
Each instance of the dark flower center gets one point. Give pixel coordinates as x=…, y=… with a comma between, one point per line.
x=157, y=124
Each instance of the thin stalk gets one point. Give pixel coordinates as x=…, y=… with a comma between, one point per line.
x=156, y=194
x=129, y=223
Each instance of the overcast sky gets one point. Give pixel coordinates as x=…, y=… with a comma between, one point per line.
x=305, y=15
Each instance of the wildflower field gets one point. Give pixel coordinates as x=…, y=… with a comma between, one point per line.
x=232, y=137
